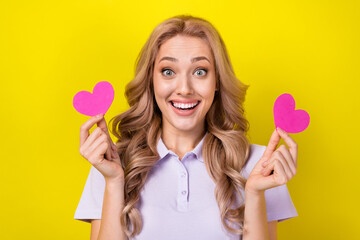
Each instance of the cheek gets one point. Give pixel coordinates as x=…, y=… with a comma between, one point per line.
x=161, y=92
x=208, y=95
x=207, y=91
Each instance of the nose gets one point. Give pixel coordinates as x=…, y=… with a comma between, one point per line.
x=184, y=86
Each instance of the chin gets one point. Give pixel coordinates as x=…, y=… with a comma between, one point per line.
x=186, y=125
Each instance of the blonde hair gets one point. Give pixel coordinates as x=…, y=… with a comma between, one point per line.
x=225, y=148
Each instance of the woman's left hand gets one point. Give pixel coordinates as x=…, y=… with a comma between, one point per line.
x=277, y=166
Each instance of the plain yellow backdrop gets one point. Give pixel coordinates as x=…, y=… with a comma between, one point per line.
x=50, y=50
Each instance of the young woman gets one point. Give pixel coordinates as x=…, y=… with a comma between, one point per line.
x=182, y=167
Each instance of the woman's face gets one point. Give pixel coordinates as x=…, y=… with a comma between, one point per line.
x=184, y=82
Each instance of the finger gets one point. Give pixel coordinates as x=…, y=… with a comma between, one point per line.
x=271, y=163
x=286, y=167
x=285, y=152
x=93, y=136
x=98, y=152
x=90, y=140
x=293, y=148
x=273, y=142
x=109, y=152
x=102, y=124
x=100, y=140
x=276, y=156
x=84, y=129
x=280, y=176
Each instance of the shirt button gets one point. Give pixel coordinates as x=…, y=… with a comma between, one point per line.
x=183, y=175
x=183, y=192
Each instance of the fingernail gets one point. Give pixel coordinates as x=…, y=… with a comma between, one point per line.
x=279, y=129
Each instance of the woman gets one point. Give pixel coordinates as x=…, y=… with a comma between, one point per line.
x=182, y=167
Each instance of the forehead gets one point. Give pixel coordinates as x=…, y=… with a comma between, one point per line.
x=184, y=47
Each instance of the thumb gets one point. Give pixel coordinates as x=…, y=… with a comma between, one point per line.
x=270, y=148
x=115, y=153
x=102, y=124
x=267, y=182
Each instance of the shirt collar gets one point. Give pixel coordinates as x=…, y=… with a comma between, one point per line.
x=163, y=151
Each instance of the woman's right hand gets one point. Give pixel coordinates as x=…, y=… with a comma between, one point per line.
x=99, y=149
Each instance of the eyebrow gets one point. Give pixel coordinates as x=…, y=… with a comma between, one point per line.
x=192, y=60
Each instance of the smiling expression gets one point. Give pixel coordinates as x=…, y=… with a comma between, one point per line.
x=184, y=82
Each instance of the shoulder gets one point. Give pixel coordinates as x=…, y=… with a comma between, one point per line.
x=256, y=152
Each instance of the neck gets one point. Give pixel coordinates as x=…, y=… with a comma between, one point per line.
x=181, y=142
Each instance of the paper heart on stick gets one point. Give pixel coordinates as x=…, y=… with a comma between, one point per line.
x=287, y=118
x=99, y=101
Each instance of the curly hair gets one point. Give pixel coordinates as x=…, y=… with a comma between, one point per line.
x=225, y=148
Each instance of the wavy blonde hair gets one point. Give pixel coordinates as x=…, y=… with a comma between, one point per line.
x=225, y=148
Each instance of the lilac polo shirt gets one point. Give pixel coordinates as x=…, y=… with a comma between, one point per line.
x=178, y=200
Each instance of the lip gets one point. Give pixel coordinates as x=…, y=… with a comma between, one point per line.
x=184, y=112
x=185, y=100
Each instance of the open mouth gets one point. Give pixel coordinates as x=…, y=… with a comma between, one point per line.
x=185, y=106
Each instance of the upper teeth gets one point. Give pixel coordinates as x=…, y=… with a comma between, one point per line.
x=185, y=105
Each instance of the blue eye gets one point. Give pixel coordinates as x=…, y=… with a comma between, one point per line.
x=203, y=70
x=166, y=70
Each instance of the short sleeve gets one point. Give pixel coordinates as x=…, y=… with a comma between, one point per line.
x=279, y=205
x=91, y=201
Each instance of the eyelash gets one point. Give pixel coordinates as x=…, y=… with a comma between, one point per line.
x=162, y=70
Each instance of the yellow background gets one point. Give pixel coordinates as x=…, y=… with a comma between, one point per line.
x=50, y=50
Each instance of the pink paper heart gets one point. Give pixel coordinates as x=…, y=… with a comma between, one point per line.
x=287, y=118
x=99, y=101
